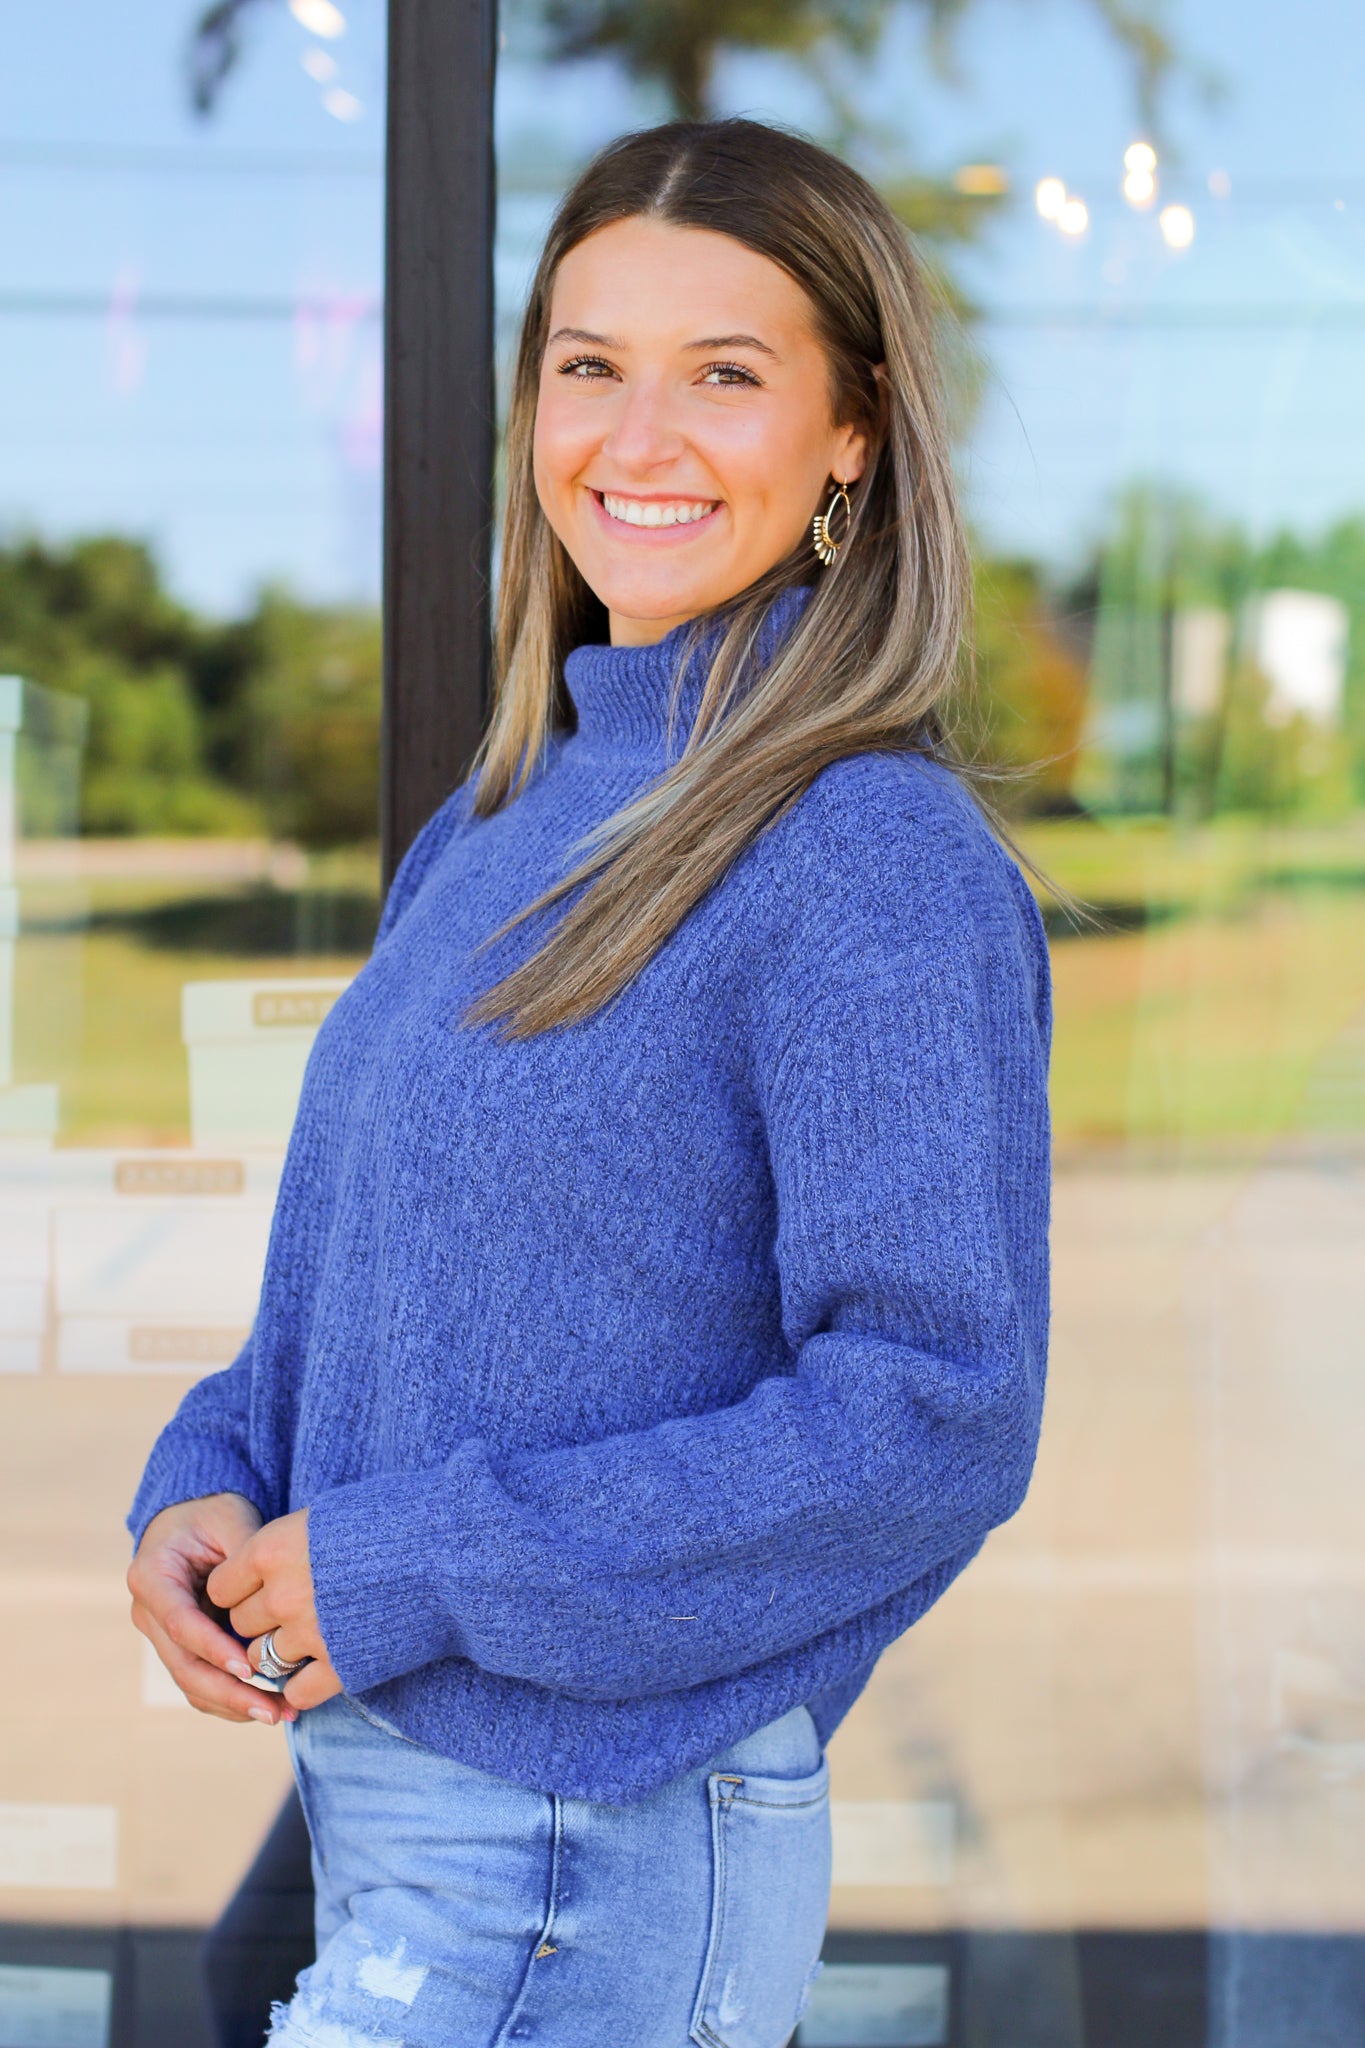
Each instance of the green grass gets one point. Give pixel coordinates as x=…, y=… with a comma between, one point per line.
x=1224, y=1019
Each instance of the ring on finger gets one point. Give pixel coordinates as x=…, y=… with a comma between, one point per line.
x=271, y=1665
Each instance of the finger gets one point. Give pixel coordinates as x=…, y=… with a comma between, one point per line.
x=204, y=1686
x=314, y=1684
x=190, y=1629
x=195, y=1679
x=255, y=1616
x=169, y=1594
x=236, y=1578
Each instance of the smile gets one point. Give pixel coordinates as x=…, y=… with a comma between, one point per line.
x=655, y=511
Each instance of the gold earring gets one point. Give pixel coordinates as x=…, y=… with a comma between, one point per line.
x=826, y=547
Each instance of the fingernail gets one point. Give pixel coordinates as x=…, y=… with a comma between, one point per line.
x=241, y=1669
x=261, y=1714
x=291, y=1713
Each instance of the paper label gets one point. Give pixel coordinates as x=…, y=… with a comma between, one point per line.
x=58, y=1848
x=877, y=2005
x=54, y=2008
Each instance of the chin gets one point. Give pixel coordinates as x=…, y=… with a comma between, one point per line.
x=629, y=599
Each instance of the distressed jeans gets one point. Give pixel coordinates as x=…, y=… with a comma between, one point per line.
x=455, y=1910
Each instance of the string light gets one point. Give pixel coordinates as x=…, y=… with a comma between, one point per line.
x=1139, y=156
x=319, y=17
x=1139, y=188
x=1177, y=226
x=1074, y=217
x=1049, y=196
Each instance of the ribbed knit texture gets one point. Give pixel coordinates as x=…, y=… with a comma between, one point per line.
x=646, y=1378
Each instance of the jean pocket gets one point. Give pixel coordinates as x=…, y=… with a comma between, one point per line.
x=770, y=1875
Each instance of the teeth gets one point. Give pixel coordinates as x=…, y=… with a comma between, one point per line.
x=633, y=513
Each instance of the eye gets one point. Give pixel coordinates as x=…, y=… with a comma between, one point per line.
x=588, y=368
x=730, y=373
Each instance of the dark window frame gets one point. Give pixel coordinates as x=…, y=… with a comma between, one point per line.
x=439, y=405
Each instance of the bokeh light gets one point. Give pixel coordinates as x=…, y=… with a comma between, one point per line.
x=319, y=17
x=1177, y=226
x=1139, y=156
x=1049, y=196
x=981, y=181
x=1074, y=217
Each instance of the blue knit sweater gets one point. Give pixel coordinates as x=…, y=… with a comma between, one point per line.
x=646, y=1378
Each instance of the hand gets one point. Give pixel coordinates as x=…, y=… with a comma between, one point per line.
x=179, y=1549
x=268, y=1584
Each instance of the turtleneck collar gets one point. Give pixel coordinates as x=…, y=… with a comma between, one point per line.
x=622, y=695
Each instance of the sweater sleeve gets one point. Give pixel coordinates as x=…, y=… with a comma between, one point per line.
x=205, y=1448
x=907, y=1130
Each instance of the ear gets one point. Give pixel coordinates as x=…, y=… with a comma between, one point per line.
x=849, y=454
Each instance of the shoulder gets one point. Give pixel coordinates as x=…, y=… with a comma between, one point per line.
x=886, y=878
x=894, y=839
x=455, y=816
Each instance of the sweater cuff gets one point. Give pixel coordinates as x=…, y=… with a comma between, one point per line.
x=374, y=1582
x=189, y=1470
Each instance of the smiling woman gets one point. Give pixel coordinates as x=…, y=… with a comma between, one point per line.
x=655, y=1316
x=709, y=446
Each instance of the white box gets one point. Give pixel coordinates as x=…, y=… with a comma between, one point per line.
x=29, y=1113
x=877, y=2005
x=248, y=1044
x=893, y=1841
x=58, y=1848
x=160, y=1261
x=21, y=1354
x=23, y=1308
x=54, y=2008
x=157, y=1257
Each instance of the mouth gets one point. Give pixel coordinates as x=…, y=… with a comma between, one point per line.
x=654, y=516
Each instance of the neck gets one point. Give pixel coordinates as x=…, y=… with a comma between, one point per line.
x=628, y=632
x=631, y=693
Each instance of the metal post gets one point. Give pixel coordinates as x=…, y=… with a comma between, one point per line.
x=438, y=404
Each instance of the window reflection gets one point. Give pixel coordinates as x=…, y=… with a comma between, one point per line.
x=1114, y=1781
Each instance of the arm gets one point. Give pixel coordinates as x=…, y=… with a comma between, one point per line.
x=205, y=1449
x=907, y=1131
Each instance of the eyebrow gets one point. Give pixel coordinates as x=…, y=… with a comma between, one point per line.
x=735, y=341
x=710, y=341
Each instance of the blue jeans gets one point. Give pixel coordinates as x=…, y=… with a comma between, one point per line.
x=455, y=1910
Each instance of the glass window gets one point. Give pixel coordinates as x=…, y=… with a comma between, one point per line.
x=189, y=715
x=1109, y=1790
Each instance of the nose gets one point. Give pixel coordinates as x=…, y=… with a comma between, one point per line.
x=644, y=431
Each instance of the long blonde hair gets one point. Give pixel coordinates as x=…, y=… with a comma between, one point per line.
x=877, y=647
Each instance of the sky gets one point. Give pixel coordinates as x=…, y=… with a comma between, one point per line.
x=189, y=330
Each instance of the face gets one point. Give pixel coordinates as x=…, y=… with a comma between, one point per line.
x=683, y=437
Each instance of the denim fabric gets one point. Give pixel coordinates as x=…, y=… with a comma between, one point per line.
x=457, y=1910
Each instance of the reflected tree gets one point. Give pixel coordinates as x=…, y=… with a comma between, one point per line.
x=676, y=45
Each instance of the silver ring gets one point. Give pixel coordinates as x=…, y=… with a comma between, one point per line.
x=273, y=1666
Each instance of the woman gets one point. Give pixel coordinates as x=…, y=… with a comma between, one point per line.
x=655, y=1313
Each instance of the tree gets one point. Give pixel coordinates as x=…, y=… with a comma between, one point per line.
x=269, y=721
x=676, y=44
